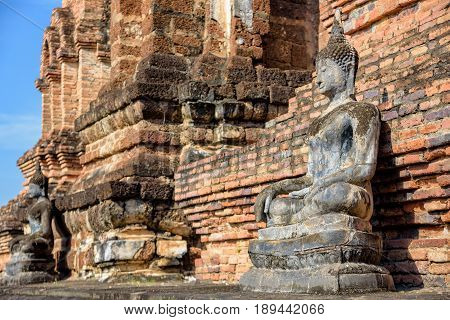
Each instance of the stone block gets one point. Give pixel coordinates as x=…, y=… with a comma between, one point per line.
x=162, y=111
x=227, y=133
x=167, y=262
x=122, y=250
x=116, y=190
x=164, y=61
x=153, y=74
x=280, y=94
x=226, y=91
x=142, y=90
x=317, y=241
x=312, y=250
x=256, y=111
x=252, y=91
x=108, y=215
x=317, y=224
x=330, y=279
x=104, y=191
x=174, y=227
x=193, y=91
x=156, y=190
x=230, y=110
x=101, y=217
x=198, y=112
x=171, y=248
x=297, y=78
x=271, y=76
x=239, y=69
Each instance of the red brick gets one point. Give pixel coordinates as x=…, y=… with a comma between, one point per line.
x=440, y=268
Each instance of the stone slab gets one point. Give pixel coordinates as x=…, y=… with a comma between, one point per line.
x=321, y=240
x=24, y=278
x=329, y=279
x=327, y=247
x=171, y=248
x=117, y=250
x=315, y=225
x=182, y=290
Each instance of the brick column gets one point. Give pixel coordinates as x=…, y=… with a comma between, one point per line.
x=54, y=79
x=69, y=104
x=43, y=87
x=126, y=38
x=172, y=26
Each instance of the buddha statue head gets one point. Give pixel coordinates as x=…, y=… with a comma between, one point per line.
x=36, y=187
x=336, y=66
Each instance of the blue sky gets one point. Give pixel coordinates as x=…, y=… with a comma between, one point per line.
x=20, y=101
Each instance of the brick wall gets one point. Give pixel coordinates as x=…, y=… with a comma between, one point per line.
x=274, y=33
x=403, y=48
x=291, y=42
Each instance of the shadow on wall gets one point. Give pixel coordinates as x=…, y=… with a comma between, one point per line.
x=398, y=229
x=63, y=245
x=292, y=42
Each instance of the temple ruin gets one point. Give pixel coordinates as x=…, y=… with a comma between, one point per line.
x=162, y=120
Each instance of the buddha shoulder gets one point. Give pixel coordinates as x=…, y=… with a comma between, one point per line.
x=362, y=113
x=361, y=110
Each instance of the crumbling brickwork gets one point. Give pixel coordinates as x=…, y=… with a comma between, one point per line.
x=163, y=119
x=403, y=49
x=130, y=89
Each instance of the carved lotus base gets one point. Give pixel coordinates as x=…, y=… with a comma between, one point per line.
x=326, y=247
x=329, y=254
x=326, y=279
x=29, y=268
x=29, y=262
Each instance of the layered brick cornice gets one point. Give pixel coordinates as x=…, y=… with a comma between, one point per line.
x=53, y=73
x=41, y=84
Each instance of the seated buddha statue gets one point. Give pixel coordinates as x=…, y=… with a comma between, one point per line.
x=39, y=218
x=31, y=254
x=318, y=237
x=343, y=146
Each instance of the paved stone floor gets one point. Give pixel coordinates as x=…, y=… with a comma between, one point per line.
x=182, y=291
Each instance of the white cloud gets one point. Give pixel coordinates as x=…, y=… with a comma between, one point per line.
x=19, y=132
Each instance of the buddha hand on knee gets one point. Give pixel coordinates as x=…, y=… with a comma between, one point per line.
x=262, y=203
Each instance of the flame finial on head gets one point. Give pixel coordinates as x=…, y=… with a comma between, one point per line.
x=338, y=48
x=38, y=178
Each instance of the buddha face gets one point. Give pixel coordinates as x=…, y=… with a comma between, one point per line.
x=331, y=79
x=34, y=191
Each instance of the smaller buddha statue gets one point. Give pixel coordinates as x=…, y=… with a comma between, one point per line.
x=318, y=236
x=31, y=254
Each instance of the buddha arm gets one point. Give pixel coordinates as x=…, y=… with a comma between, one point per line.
x=356, y=174
x=266, y=196
x=290, y=185
x=43, y=209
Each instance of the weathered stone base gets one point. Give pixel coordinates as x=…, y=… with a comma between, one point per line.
x=142, y=276
x=29, y=268
x=327, y=279
x=23, y=278
x=321, y=248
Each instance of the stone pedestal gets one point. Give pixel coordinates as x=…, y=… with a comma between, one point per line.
x=333, y=253
x=326, y=279
x=29, y=268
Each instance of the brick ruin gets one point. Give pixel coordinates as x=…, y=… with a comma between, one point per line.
x=163, y=119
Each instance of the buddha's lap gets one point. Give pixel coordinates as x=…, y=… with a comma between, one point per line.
x=285, y=206
x=338, y=197
x=342, y=194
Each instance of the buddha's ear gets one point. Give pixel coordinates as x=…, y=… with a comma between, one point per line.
x=351, y=72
